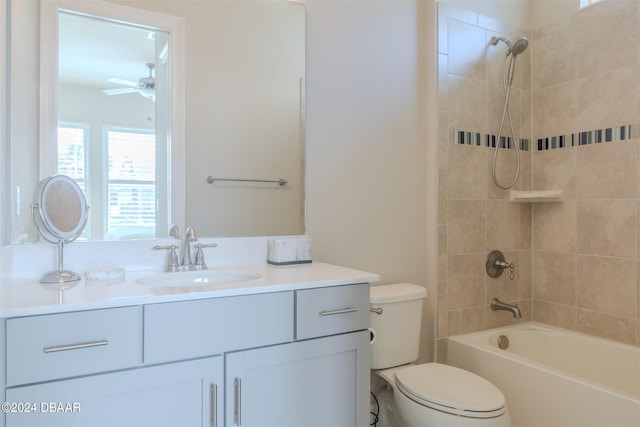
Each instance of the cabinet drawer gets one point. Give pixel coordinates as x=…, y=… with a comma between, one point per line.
x=62, y=345
x=187, y=329
x=334, y=310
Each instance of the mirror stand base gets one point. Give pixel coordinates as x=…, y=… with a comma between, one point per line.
x=60, y=276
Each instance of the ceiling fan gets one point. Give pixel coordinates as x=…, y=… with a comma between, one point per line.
x=145, y=85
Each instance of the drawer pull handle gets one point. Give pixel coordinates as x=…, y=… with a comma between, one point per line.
x=334, y=312
x=75, y=346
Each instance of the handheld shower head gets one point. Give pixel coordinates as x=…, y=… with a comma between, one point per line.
x=519, y=46
x=515, y=47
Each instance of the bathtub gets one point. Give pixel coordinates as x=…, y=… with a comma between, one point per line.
x=554, y=377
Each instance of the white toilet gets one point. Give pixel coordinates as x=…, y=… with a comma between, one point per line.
x=431, y=394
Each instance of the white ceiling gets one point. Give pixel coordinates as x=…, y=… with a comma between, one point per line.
x=93, y=50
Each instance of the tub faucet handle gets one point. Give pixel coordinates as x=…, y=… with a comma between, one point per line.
x=504, y=265
x=496, y=264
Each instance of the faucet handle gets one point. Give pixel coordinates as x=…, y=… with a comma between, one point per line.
x=200, y=264
x=172, y=263
x=496, y=263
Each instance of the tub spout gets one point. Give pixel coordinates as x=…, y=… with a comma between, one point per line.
x=496, y=305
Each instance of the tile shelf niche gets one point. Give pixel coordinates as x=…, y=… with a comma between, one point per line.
x=536, y=196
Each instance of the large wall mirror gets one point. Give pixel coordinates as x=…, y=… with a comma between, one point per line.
x=141, y=101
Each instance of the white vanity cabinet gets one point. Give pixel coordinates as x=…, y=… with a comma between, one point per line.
x=177, y=394
x=86, y=369
x=320, y=382
x=288, y=359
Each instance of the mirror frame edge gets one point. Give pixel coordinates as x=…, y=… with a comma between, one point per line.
x=48, y=87
x=49, y=81
x=5, y=194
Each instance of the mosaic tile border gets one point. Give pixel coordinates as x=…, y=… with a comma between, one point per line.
x=597, y=136
x=486, y=140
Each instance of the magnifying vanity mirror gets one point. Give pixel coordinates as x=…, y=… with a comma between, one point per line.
x=59, y=213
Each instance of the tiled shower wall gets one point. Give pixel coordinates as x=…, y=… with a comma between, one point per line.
x=585, y=78
x=576, y=260
x=474, y=216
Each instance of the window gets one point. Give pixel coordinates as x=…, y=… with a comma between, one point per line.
x=131, y=184
x=72, y=155
x=128, y=171
x=72, y=152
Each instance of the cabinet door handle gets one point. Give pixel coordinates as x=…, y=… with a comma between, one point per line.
x=334, y=312
x=237, y=413
x=214, y=405
x=75, y=346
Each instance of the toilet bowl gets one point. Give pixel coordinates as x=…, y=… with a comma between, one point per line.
x=434, y=394
x=430, y=394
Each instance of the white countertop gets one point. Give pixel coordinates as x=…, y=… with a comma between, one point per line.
x=25, y=297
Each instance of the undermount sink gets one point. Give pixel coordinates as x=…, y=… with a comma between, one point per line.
x=198, y=278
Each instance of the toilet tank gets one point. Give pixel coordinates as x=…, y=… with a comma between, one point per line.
x=396, y=330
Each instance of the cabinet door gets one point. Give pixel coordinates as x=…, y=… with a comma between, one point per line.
x=321, y=382
x=178, y=394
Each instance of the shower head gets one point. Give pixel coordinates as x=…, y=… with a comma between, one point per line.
x=515, y=47
x=519, y=46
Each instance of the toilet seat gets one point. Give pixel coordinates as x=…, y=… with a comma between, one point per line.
x=451, y=390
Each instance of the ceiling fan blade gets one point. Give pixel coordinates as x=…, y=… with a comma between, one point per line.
x=119, y=91
x=120, y=81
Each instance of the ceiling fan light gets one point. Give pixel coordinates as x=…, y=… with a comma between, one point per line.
x=144, y=87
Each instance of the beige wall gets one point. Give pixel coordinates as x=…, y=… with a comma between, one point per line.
x=243, y=115
x=576, y=261
x=367, y=145
x=546, y=11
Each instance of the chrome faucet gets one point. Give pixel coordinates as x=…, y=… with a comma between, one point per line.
x=496, y=305
x=185, y=262
x=185, y=249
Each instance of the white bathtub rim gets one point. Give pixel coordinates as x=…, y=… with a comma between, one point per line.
x=477, y=339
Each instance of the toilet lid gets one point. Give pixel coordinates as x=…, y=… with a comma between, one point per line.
x=455, y=390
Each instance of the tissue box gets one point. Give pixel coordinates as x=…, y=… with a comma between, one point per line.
x=289, y=250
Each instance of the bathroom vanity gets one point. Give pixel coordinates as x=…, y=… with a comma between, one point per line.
x=287, y=347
